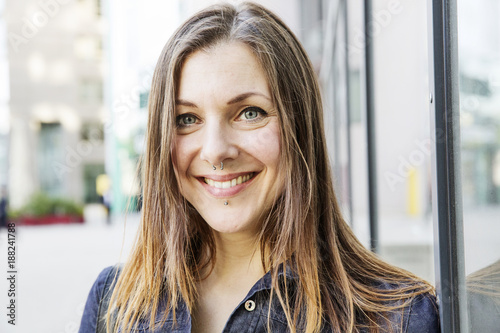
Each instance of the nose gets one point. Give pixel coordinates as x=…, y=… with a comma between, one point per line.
x=219, y=143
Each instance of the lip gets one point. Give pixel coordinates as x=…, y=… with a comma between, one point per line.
x=224, y=178
x=226, y=192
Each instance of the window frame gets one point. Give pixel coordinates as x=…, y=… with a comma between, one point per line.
x=446, y=181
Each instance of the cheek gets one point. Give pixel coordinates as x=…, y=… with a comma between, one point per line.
x=268, y=147
x=181, y=159
x=181, y=154
x=267, y=144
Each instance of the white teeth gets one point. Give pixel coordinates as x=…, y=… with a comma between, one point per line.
x=228, y=183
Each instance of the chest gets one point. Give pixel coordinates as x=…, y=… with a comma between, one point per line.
x=212, y=312
x=237, y=315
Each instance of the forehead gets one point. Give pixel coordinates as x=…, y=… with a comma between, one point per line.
x=226, y=69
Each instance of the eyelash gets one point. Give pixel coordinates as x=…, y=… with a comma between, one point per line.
x=179, y=118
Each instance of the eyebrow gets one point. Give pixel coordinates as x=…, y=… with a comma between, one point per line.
x=242, y=97
x=234, y=100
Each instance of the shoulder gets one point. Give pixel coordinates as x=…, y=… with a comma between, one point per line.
x=422, y=314
x=105, y=276
x=104, y=281
x=92, y=306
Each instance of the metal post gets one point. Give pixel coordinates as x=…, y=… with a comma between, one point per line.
x=348, y=111
x=446, y=187
x=370, y=128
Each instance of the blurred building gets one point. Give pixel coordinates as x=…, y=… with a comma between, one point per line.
x=4, y=99
x=479, y=100
x=56, y=98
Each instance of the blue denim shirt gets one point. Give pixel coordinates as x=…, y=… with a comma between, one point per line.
x=251, y=315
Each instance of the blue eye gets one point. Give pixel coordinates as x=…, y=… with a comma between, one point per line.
x=252, y=113
x=185, y=120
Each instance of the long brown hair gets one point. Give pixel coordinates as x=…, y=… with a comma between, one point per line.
x=304, y=230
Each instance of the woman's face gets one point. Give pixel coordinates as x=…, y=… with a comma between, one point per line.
x=224, y=113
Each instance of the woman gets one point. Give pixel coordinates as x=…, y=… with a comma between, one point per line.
x=241, y=231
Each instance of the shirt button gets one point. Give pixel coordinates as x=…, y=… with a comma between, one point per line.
x=250, y=305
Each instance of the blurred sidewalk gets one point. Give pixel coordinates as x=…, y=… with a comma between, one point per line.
x=56, y=267
x=58, y=264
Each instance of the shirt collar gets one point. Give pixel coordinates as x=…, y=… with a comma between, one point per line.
x=266, y=282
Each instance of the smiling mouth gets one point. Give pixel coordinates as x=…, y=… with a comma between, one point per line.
x=229, y=183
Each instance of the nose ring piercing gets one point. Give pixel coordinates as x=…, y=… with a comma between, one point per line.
x=221, y=166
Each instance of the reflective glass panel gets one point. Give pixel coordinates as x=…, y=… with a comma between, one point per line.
x=479, y=68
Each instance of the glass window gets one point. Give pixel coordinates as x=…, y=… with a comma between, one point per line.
x=398, y=31
x=143, y=99
x=93, y=132
x=49, y=150
x=90, y=174
x=91, y=91
x=479, y=69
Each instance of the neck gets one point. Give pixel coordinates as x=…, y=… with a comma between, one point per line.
x=237, y=268
x=237, y=254
x=238, y=259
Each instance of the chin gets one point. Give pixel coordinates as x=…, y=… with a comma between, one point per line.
x=230, y=223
